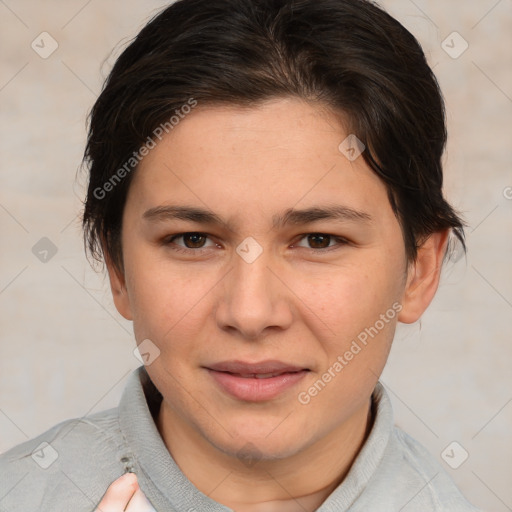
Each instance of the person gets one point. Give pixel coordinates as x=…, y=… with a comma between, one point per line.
x=265, y=189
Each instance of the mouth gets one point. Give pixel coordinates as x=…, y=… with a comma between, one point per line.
x=255, y=382
x=259, y=375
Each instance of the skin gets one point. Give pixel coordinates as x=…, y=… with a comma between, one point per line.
x=124, y=495
x=298, y=302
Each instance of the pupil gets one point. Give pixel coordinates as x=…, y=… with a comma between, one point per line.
x=323, y=240
x=195, y=239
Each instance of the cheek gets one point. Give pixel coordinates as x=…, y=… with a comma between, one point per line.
x=163, y=298
x=361, y=309
x=348, y=298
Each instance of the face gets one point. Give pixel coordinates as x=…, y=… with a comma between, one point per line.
x=257, y=258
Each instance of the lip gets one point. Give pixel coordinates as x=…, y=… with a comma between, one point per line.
x=239, y=379
x=262, y=367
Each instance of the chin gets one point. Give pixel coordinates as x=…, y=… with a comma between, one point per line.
x=250, y=452
x=264, y=443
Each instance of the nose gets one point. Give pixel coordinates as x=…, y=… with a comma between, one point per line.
x=253, y=300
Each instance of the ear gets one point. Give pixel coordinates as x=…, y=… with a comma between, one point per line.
x=423, y=277
x=118, y=287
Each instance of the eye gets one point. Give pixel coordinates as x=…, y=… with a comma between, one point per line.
x=191, y=242
x=322, y=241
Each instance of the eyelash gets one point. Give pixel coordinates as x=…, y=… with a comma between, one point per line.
x=169, y=242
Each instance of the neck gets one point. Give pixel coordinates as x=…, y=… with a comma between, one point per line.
x=301, y=482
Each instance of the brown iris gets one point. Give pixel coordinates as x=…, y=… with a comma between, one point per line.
x=319, y=241
x=197, y=240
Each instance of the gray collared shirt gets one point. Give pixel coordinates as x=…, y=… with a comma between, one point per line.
x=70, y=466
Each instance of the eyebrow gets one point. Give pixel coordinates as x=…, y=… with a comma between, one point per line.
x=288, y=217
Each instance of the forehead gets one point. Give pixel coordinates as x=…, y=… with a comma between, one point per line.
x=238, y=161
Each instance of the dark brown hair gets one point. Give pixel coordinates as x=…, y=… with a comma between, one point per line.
x=349, y=55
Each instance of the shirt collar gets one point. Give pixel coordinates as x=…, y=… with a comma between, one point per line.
x=165, y=484
x=368, y=458
x=160, y=478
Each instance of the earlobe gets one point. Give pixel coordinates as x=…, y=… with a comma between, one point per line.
x=118, y=288
x=423, y=277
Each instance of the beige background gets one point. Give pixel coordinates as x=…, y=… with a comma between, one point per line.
x=64, y=350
